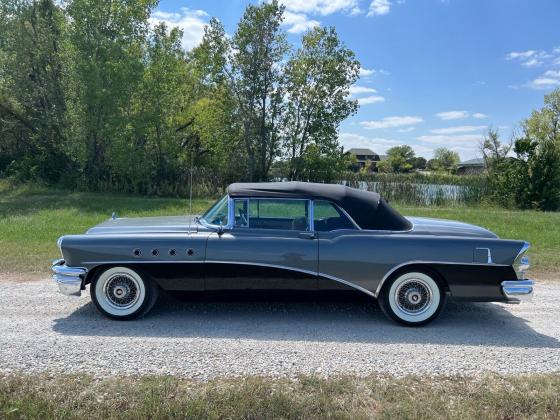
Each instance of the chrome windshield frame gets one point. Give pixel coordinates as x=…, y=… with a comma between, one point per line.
x=206, y=224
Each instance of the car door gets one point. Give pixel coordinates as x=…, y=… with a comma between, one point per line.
x=340, y=251
x=270, y=246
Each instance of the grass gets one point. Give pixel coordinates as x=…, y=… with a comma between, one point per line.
x=491, y=397
x=32, y=218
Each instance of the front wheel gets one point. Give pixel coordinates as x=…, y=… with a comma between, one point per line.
x=413, y=298
x=122, y=293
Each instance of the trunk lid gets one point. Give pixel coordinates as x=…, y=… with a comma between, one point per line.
x=442, y=227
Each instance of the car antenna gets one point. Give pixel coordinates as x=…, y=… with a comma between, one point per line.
x=190, y=193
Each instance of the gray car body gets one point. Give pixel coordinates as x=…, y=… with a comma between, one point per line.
x=181, y=253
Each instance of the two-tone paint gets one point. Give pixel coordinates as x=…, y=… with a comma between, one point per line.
x=184, y=253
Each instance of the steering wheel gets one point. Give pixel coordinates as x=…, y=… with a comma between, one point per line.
x=243, y=217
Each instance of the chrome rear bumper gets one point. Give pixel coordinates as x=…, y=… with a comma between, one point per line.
x=517, y=290
x=69, y=279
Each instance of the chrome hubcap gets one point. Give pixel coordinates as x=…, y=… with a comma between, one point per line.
x=413, y=297
x=121, y=291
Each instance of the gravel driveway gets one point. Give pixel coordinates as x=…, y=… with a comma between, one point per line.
x=41, y=330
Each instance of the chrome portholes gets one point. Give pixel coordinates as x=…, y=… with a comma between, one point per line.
x=414, y=297
x=120, y=291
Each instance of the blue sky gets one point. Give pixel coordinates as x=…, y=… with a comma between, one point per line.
x=435, y=72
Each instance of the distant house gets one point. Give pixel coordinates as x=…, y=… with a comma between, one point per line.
x=471, y=167
x=364, y=157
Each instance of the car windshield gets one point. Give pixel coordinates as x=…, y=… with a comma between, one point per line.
x=218, y=213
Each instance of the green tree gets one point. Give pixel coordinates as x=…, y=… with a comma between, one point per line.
x=419, y=163
x=259, y=48
x=147, y=153
x=531, y=179
x=108, y=38
x=212, y=126
x=444, y=160
x=538, y=156
x=400, y=159
x=33, y=102
x=501, y=170
x=318, y=77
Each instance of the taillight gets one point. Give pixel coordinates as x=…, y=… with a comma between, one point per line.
x=521, y=263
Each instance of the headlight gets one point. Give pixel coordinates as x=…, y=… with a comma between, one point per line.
x=521, y=263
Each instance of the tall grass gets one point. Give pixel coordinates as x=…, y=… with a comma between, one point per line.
x=423, y=190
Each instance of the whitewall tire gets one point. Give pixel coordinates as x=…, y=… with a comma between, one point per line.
x=123, y=293
x=412, y=298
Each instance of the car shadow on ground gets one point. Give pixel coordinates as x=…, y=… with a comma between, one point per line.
x=323, y=318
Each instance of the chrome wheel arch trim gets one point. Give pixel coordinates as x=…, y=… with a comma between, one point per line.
x=423, y=262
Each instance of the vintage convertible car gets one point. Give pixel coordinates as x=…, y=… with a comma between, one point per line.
x=294, y=235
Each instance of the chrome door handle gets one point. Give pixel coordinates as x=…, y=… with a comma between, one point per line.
x=307, y=235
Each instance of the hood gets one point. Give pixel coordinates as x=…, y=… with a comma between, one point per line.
x=166, y=224
x=442, y=227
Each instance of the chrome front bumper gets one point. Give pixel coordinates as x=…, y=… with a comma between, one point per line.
x=69, y=279
x=517, y=290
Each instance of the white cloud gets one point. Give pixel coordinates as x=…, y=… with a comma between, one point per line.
x=391, y=122
x=298, y=22
x=479, y=115
x=458, y=129
x=379, y=8
x=464, y=140
x=406, y=130
x=321, y=7
x=357, y=90
x=370, y=72
x=520, y=55
x=366, y=72
x=530, y=58
x=372, y=99
x=191, y=22
x=453, y=115
x=533, y=62
x=297, y=12
x=549, y=80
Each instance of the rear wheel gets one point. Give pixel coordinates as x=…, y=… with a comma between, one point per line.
x=122, y=293
x=412, y=298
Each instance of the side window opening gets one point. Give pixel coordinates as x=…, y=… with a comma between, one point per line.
x=328, y=217
x=284, y=214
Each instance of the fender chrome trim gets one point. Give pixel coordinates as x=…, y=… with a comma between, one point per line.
x=69, y=279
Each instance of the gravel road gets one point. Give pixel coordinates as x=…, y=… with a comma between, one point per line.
x=43, y=331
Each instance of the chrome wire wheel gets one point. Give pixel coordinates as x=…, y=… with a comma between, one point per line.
x=414, y=298
x=119, y=292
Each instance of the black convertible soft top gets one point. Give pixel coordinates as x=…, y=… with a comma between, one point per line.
x=367, y=209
